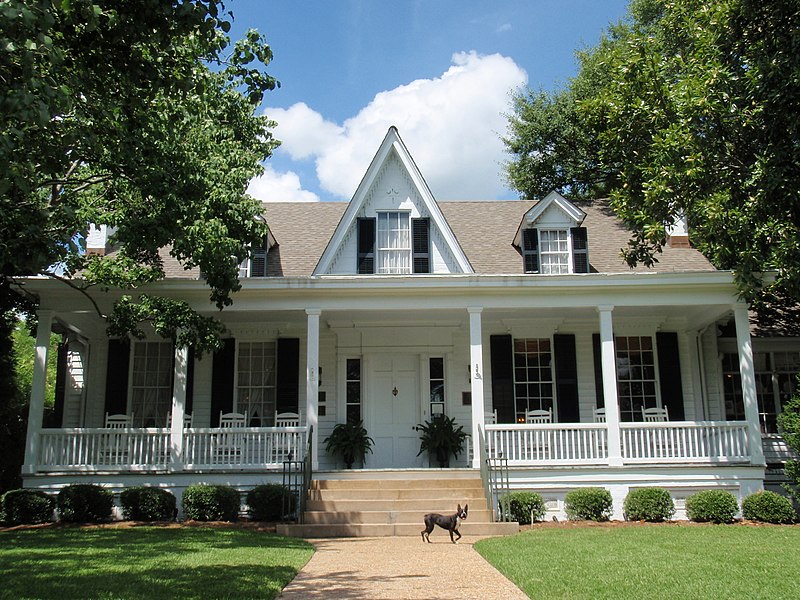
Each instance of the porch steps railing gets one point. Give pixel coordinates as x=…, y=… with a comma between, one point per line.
x=364, y=505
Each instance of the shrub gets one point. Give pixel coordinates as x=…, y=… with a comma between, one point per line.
x=715, y=506
x=591, y=503
x=148, y=504
x=524, y=507
x=84, y=503
x=211, y=503
x=26, y=507
x=649, y=504
x=267, y=502
x=768, y=507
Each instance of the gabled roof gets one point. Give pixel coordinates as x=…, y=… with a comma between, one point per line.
x=392, y=145
x=570, y=210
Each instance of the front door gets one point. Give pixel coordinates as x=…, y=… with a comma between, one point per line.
x=393, y=400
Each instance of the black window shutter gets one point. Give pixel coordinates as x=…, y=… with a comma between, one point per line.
x=117, y=377
x=287, y=382
x=258, y=260
x=420, y=231
x=580, y=250
x=566, y=378
x=61, y=387
x=222, y=380
x=366, y=245
x=502, y=361
x=189, y=381
x=669, y=370
x=598, y=370
x=530, y=250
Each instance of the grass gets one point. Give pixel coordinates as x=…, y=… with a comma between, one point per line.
x=651, y=561
x=147, y=562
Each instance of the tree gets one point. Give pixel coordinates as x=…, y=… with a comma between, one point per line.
x=789, y=420
x=688, y=108
x=139, y=115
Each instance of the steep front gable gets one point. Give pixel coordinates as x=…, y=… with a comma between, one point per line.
x=393, y=224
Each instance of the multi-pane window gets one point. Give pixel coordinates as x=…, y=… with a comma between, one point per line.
x=353, y=390
x=533, y=376
x=437, y=385
x=255, y=383
x=394, y=242
x=775, y=384
x=636, y=376
x=553, y=251
x=151, y=383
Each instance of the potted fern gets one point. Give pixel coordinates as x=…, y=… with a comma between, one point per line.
x=441, y=437
x=351, y=441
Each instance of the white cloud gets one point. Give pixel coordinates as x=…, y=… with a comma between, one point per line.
x=279, y=187
x=451, y=124
x=503, y=28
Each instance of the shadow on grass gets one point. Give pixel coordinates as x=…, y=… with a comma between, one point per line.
x=147, y=563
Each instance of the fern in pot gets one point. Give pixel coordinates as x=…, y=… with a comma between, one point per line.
x=441, y=437
x=350, y=440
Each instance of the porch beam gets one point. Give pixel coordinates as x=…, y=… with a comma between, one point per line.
x=609, y=367
x=38, y=383
x=747, y=370
x=312, y=381
x=476, y=379
x=178, y=407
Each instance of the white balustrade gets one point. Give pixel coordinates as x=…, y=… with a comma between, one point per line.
x=685, y=442
x=549, y=443
x=142, y=449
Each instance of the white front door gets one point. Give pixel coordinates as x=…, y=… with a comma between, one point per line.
x=393, y=408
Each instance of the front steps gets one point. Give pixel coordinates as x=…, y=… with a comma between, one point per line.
x=383, y=503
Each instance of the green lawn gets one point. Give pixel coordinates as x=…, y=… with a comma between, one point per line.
x=651, y=561
x=147, y=562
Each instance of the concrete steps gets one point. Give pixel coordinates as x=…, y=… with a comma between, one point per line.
x=393, y=504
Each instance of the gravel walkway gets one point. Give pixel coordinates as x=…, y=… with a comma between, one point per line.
x=399, y=568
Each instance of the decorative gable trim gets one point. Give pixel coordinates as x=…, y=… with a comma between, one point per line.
x=530, y=218
x=391, y=146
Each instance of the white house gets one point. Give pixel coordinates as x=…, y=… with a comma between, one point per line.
x=395, y=307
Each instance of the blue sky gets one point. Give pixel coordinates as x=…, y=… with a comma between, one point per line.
x=442, y=71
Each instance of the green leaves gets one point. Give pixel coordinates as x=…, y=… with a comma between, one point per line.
x=128, y=114
x=687, y=108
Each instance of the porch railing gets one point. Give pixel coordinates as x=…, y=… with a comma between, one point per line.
x=555, y=444
x=548, y=443
x=685, y=441
x=141, y=449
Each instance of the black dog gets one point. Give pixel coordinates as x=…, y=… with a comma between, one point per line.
x=448, y=522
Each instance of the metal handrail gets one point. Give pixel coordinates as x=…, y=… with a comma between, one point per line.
x=297, y=476
x=494, y=474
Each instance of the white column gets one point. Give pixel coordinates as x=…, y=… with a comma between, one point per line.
x=609, y=367
x=476, y=379
x=36, y=407
x=747, y=371
x=312, y=381
x=178, y=407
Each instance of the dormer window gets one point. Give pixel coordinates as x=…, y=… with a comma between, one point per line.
x=256, y=264
x=555, y=251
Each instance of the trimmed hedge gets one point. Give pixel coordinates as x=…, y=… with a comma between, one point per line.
x=211, y=503
x=267, y=501
x=26, y=507
x=84, y=503
x=768, y=507
x=652, y=504
x=525, y=507
x=588, y=504
x=714, y=506
x=148, y=504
